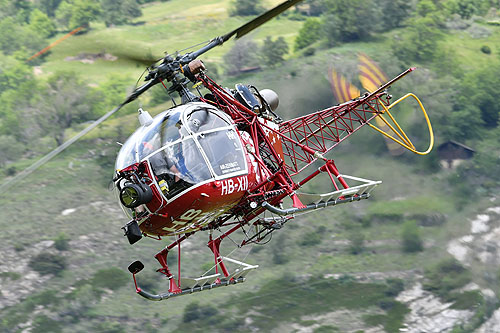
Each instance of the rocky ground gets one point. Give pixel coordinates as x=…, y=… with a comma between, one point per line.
x=480, y=248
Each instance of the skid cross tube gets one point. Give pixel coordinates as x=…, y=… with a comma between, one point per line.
x=293, y=210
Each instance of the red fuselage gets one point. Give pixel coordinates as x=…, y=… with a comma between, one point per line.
x=198, y=165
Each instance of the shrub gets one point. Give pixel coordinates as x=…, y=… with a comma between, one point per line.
x=356, y=241
x=43, y=324
x=485, y=49
x=46, y=297
x=111, y=278
x=310, y=51
x=445, y=277
x=194, y=311
x=394, y=287
x=10, y=275
x=46, y=263
x=62, y=242
x=280, y=255
x=411, y=237
x=308, y=34
x=245, y=7
x=310, y=239
x=467, y=300
x=110, y=327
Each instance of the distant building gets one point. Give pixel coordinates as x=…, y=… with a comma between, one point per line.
x=250, y=69
x=452, y=153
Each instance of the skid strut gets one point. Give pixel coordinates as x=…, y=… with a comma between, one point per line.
x=185, y=285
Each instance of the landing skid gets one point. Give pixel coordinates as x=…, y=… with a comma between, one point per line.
x=192, y=285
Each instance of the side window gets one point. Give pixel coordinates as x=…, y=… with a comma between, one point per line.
x=223, y=149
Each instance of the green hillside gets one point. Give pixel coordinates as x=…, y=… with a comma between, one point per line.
x=341, y=269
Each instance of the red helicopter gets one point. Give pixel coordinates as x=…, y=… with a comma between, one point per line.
x=219, y=160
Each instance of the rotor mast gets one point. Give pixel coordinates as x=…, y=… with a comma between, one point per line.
x=177, y=71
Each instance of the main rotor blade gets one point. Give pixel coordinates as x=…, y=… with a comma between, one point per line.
x=259, y=20
x=56, y=151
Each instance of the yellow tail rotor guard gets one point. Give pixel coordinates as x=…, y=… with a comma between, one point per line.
x=403, y=138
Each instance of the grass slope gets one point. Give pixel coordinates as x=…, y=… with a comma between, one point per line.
x=164, y=27
x=306, y=251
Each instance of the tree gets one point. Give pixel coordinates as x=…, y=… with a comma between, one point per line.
x=12, y=116
x=274, y=51
x=308, y=33
x=394, y=12
x=246, y=7
x=63, y=101
x=19, y=39
x=63, y=14
x=13, y=73
x=62, y=242
x=83, y=12
x=467, y=8
x=131, y=8
x=349, y=20
x=49, y=7
x=463, y=123
x=315, y=7
x=243, y=54
x=420, y=43
x=11, y=149
x=425, y=7
x=485, y=94
x=110, y=94
x=40, y=22
x=193, y=312
x=118, y=12
x=19, y=10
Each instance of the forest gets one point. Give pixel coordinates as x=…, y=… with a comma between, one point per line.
x=429, y=234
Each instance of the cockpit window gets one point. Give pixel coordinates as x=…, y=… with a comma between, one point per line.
x=179, y=166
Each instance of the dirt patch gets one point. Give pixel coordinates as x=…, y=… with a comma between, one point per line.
x=89, y=58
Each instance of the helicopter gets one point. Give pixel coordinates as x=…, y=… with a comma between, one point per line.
x=221, y=159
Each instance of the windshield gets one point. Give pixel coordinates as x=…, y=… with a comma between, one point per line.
x=148, y=139
x=179, y=166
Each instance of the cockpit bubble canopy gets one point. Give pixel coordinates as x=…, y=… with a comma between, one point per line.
x=191, y=143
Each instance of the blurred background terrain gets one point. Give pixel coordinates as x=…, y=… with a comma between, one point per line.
x=421, y=255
